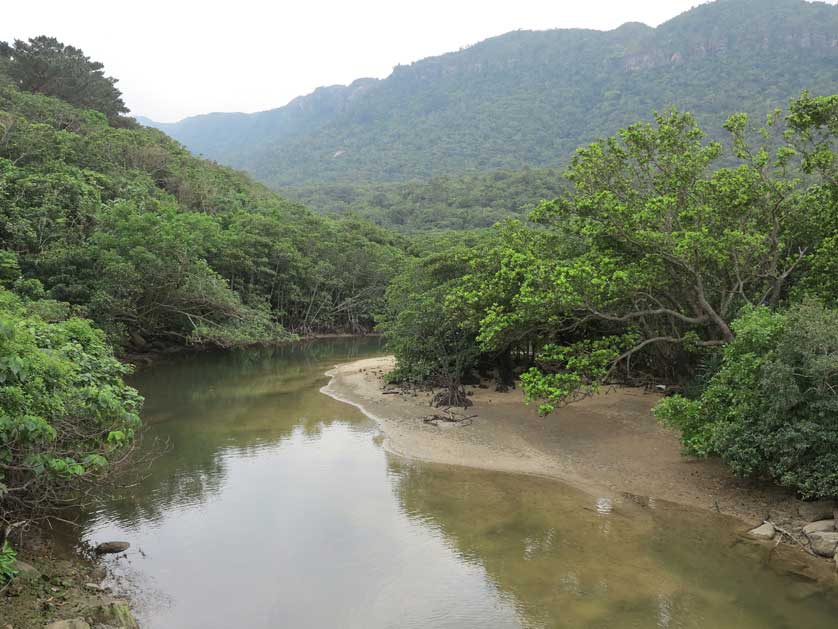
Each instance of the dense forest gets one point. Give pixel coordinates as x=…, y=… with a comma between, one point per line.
x=531, y=98
x=456, y=202
x=118, y=223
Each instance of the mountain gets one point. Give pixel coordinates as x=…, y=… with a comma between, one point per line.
x=531, y=97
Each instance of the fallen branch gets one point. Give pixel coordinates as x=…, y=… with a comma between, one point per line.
x=782, y=532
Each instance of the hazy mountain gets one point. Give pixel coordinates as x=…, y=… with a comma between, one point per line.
x=531, y=97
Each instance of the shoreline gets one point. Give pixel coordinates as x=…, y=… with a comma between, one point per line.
x=608, y=445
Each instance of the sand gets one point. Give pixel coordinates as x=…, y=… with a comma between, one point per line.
x=609, y=444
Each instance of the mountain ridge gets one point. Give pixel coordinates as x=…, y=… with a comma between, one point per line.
x=530, y=97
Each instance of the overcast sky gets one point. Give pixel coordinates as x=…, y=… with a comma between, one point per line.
x=180, y=58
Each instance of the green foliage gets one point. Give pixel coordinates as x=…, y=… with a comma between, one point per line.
x=7, y=562
x=62, y=399
x=771, y=410
x=530, y=98
x=160, y=248
x=420, y=325
x=9, y=267
x=570, y=372
x=45, y=65
x=673, y=246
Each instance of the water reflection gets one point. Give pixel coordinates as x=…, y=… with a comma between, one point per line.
x=216, y=406
x=569, y=562
x=276, y=506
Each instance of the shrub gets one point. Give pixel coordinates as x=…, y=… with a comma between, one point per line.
x=66, y=416
x=771, y=410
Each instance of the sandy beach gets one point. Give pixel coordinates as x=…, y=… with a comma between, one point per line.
x=609, y=444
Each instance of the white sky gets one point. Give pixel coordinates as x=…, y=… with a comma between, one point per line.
x=179, y=58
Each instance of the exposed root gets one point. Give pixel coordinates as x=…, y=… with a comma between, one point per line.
x=451, y=397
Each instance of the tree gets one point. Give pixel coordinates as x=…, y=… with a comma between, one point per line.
x=426, y=335
x=673, y=249
x=813, y=124
x=45, y=65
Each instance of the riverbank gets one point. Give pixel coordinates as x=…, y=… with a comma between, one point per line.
x=607, y=445
x=60, y=589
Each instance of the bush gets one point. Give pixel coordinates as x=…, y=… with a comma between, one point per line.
x=66, y=416
x=771, y=410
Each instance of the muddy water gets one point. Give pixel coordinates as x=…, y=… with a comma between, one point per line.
x=276, y=506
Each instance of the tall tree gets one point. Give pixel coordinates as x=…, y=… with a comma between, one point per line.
x=45, y=65
x=673, y=248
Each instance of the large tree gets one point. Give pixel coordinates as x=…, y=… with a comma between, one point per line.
x=673, y=246
x=45, y=65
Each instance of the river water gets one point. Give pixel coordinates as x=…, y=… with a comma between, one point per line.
x=276, y=506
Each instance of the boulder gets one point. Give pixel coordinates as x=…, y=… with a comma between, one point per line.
x=75, y=623
x=817, y=510
x=26, y=569
x=824, y=543
x=822, y=526
x=110, y=548
x=765, y=531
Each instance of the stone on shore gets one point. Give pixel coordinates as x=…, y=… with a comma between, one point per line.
x=765, y=531
x=817, y=510
x=110, y=548
x=822, y=526
x=26, y=569
x=824, y=543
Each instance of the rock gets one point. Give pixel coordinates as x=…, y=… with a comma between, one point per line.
x=818, y=510
x=116, y=615
x=110, y=548
x=75, y=623
x=766, y=531
x=822, y=526
x=26, y=569
x=824, y=543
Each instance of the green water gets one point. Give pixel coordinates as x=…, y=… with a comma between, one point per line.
x=276, y=506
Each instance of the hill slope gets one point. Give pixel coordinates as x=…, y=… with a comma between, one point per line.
x=122, y=225
x=530, y=98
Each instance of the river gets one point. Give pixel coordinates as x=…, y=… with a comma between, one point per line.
x=273, y=505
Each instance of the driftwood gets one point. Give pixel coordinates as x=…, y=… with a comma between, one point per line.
x=449, y=417
x=783, y=532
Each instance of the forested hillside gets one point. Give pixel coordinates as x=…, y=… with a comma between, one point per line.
x=531, y=98
x=456, y=202
x=102, y=218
